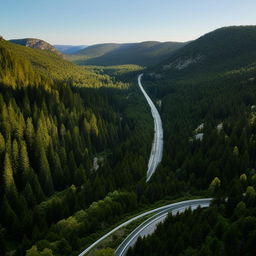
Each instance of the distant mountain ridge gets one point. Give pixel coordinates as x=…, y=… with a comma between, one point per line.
x=220, y=50
x=145, y=53
x=36, y=44
x=69, y=49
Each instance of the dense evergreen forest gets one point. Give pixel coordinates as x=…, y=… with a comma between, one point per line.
x=209, y=124
x=207, y=117
x=50, y=65
x=75, y=141
x=64, y=147
x=224, y=158
x=225, y=228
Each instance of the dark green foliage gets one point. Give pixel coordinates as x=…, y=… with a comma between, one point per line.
x=222, y=50
x=218, y=230
x=50, y=133
x=76, y=229
x=191, y=97
x=65, y=148
x=218, y=91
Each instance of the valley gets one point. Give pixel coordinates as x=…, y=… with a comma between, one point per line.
x=78, y=162
x=142, y=54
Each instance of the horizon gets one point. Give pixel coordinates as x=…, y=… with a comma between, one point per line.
x=9, y=39
x=82, y=44
x=83, y=22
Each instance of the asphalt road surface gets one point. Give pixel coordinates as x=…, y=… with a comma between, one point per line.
x=157, y=145
x=149, y=226
x=160, y=210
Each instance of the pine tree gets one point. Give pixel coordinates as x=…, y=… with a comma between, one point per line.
x=9, y=183
x=15, y=155
x=29, y=132
x=29, y=195
x=93, y=125
x=58, y=179
x=24, y=163
x=2, y=144
x=36, y=186
x=45, y=176
x=42, y=131
x=5, y=122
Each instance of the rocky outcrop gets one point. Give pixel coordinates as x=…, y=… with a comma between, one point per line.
x=36, y=44
x=182, y=63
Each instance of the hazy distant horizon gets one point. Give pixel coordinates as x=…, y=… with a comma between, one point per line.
x=95, y=43
x=119, y=42
x=82, y=22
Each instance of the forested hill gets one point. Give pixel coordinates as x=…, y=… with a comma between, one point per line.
x=74, y=158
x=207, y=92
x=224, y=49
x=50, y=65
x=36, y=44
x=218, y=89
x=144, y=53
x=62, y=149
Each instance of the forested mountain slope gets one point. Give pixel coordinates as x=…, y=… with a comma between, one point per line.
x=55, y=199
x=196, y=99
x=208, y=112
x=55, y=67
x=99, y=49
x=218, y=51
x=144, y=53
x=62, y=148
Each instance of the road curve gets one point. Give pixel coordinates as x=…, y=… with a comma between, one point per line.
x=149, y=226
x=157, y=210
x=157, y=145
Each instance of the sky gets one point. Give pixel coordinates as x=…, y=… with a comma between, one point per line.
x=103, y=21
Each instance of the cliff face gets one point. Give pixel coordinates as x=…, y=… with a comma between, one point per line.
x=36, y=44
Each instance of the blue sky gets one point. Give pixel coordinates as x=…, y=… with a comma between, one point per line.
x=100, y=21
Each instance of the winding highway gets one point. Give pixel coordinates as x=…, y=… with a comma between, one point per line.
x=161, y=212
x=149, y=226
x=157, y=145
